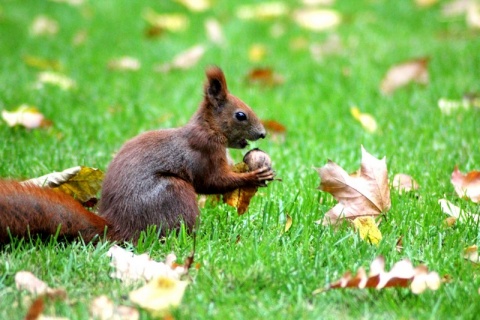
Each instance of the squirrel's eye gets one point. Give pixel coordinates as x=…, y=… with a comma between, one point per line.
x=241, y=116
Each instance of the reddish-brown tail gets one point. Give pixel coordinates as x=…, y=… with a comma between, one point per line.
x=30, y=210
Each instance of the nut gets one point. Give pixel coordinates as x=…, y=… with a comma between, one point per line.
x=256, y=159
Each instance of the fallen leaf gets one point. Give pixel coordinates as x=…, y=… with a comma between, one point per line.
x=214, y=31
x=317, y=19
x=196, y=5
x=44, y=26
x=288, y=223
x=264, y=76
x=367, y=121
x=468, y=185
x=454, y=211
x=35, y=310
x=184, y=60
x=473, y=15
x=404, y=183
x=471, y=254
x=159, y=295
x=257, y=52
x=26, y=116
x=402, y=274
x=276, y=131
x=80, y=38
x=103, y=308
x=449, y=222
x=124, y=64
x=56, y=79
x=240, y=198
x=42, y=63
x=367, y=229
x=263, y=11
x=456, y=8
x=84, y=185
x=169, y=22
x=25, y=280
x=365, y=194
x=131, y=267
x=70, y=2
x=332, y=45
x=402, y=74
x=54, y=179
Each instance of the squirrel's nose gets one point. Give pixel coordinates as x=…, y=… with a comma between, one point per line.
x=262, y=135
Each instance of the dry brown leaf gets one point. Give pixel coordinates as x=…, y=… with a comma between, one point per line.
x=402, y=74
x=184, y=60
x=404, y=183
x=54, y=179
x=35, y=310
x=102, y=308
x=276, y=131
x=240, y=198
x=367, y=121
x=25, y=280
x=467, y=185
x=317, y=19
x=159, y=295
x=26, y=116
x=264, y=76
x=365, y=194
x=84, y=185
x=402, y=274
x=454, y=211
x=131, y=267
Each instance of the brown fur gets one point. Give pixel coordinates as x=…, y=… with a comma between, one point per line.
x=155, y=177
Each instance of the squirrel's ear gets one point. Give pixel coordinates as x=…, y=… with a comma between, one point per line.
x=216, y=86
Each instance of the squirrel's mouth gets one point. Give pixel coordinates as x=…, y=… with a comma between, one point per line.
x=243, y=143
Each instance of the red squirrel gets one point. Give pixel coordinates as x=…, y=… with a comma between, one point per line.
x=153, y=180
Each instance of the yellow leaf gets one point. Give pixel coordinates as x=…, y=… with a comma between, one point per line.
x=317, y=19
x=56, y=79
x=257, y=52
x=84, y=185
x=288, y=224
x=262, y=11
x=240, y=198
x=170, y=22
x=367, y=121
x=368, y=230
x=471, y=254
x=42, y=63
x=25, y=115
x=159, y=295
x=196, y=5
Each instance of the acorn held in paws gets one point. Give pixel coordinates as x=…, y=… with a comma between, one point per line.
x=256, y=159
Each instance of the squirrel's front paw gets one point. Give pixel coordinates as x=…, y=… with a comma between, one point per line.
x=264, y=174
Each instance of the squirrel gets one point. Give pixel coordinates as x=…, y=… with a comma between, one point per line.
x=154, y=179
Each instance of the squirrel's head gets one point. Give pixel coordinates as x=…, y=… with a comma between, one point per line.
x=235, y=120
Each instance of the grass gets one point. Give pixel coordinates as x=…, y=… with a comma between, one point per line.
x=249, y=267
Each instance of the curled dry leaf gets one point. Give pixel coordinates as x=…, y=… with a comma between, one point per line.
x=402, y=274
x=367, y=121
x=365, y=194
x=367, y=229
x=43, y=25
x=467, y=185
x=184, y=60
x=131, y=267
x=264, y=76
x=159, y=295
x=84, y=185
x=317, y=19
x=169, y=22
x=26, y=116
x=455, y=212
x=103, y=308
x=240, y=198
x=55, y=79
x=54, y=179
x=404, y=183
x=124, y=64
x=25, y=280
x=402, y=74
x=263, y=11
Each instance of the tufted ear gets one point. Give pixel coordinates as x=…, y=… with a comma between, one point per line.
x=216, y=86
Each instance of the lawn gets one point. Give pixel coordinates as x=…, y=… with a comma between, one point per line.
x=249, y=267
